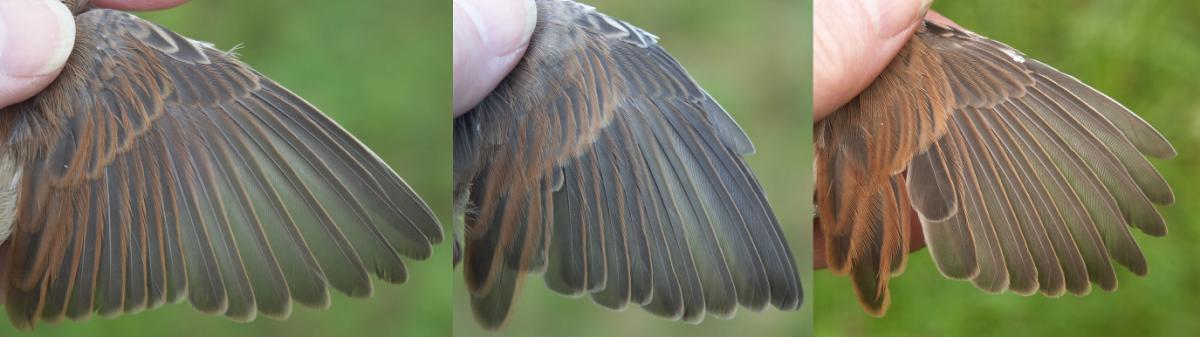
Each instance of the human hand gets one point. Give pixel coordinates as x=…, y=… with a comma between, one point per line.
x=36, y=37
x=852, y=42
x=490, y=36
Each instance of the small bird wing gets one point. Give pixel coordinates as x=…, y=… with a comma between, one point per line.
x=178, y=171
x=602, y=163
x=1024, y=178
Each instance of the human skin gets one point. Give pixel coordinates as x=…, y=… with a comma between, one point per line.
x=490, y=36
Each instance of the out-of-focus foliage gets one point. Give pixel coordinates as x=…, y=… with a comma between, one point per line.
x=1145, y=54
x=754, y=58
x=382, y=70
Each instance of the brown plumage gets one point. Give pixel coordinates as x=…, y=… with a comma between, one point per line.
x=600, y=163
x=1024, y=178
x=156, y=168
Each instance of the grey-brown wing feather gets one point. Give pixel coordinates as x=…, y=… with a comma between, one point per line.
x=1054, y=171
x=181, y=172
x=602, y=163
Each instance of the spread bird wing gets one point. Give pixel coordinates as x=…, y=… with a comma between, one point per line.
x=1025, y=179
x=177, y=171
x=601, y=163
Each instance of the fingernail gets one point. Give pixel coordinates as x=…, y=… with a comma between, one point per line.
x=503, y=26
x=36, y=37
x=925, y=5
x=530, y=18
x=893, y=17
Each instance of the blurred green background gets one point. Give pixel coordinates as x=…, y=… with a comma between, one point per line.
x=382, y=70
x=1145, y=54
x=754, y=58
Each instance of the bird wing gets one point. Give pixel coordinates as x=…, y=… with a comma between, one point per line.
x=1025, y=179
x=177, y=171
x=600, y=161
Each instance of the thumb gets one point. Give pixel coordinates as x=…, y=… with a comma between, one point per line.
x=853, y=40
x=36, y=37
x=490, y=36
